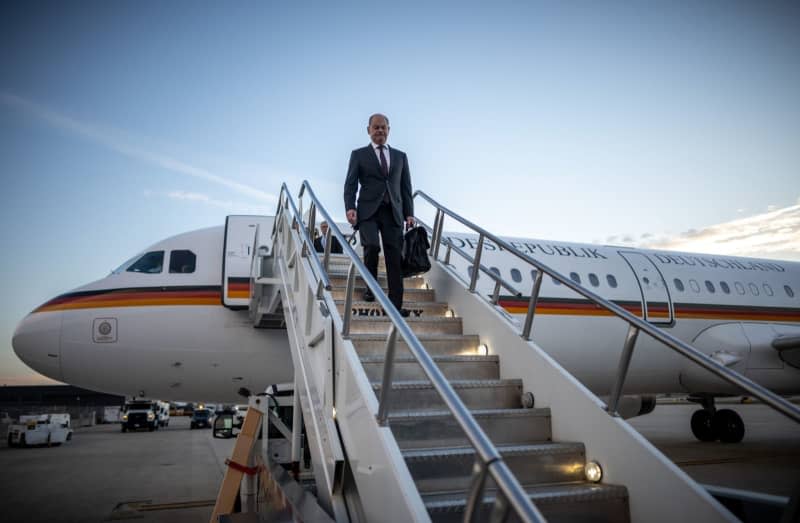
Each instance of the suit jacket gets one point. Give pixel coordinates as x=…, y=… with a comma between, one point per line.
x=336, y=248
x=365, y=170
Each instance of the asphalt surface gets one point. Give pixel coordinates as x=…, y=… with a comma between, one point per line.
x=172, y=474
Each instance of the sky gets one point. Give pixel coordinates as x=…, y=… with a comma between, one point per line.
x=671, y=125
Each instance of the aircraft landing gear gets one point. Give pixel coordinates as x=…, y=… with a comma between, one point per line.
x=710, y=424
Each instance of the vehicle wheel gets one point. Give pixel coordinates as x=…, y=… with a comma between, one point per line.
x=191, y=426
x=728, y=426
x=48, y=440
x=150, y=428
x=10, y=441
x=124, y=428
x=69, y=436
x=22, y=441
x=702, y=427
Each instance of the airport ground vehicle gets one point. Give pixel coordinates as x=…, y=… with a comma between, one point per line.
x=139, y=414
x=201, y=418
x=239, y=413
x=40, y=429
x=162, y=413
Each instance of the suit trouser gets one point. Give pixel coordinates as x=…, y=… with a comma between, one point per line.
x=392, y=235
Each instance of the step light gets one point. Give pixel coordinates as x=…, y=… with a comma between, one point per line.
x=483, y=349
x=449, y=313
x=594, y=472
x=334, y=412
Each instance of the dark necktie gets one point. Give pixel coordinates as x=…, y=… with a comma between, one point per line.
x=385, y=171
x=384, y=167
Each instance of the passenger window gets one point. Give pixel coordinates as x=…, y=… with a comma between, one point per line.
x=768, y=290
x=555, y=281
x=182, y=261
x=725, y=288
x=753, y=288
x=495, y=270
x=789, y=291
x=516, y=275
x=574, y=276
x=612, y=281
x=678, y=284
x=739, y=287
x=694, y=285
x=150, y=263
x=710, y=287
x=594, y=280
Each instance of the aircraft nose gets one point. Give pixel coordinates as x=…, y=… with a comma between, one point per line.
x=37, y=342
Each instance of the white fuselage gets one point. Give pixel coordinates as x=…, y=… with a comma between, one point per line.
x=167, y=335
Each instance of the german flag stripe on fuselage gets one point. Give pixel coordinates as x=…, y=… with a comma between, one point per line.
x=135, y=297
x=581, y=307
x=238, y=288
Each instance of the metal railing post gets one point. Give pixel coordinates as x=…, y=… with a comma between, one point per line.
x=388, y=367
x=622, y=372
x=326, y=257
x=438, y=225
x=479, y=471
x=537, y=284
x=348, y=300
x=476, y=268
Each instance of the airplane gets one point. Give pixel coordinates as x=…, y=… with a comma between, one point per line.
x=171, y=322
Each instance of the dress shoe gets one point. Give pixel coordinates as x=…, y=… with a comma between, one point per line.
x=405, y=313
x=368, y=296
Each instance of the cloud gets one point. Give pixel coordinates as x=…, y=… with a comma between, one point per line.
x=113, y=140
x=231, y=207
x=773, y=234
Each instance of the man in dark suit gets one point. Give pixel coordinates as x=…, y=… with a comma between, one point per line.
x=319, y=241
x=380, y=175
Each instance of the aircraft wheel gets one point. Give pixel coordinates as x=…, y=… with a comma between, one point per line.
x=728, y=426
x=702, y=426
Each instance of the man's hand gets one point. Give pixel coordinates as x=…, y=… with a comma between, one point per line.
x=351, y=216
x=409, y=222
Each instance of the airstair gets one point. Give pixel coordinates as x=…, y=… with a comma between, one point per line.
x=451, y=414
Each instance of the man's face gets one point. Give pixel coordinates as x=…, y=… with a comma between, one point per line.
x=323, y=228
x=378, y=130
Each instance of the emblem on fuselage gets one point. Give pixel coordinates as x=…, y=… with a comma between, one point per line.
x=104, y=330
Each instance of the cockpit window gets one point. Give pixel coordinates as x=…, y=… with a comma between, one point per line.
x=182, y=261
x=150, y=263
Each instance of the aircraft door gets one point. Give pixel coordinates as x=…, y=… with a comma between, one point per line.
x=237, y=256
x=655, y=296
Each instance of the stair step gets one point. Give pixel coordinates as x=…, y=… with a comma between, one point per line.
x=417, y=308
x=339, y=279
x=476, y=394
x=409, y=294
x=435, y=344
x=414, y=430
x=571, y=503
x=454, y=367
x=450, y=469
x=420, y=324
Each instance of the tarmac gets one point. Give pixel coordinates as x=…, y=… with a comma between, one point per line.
x=173, y=474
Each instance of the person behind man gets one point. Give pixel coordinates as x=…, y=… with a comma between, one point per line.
x=381, y=176
x=319, y=241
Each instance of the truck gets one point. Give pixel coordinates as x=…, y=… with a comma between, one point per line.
x=140, y=414
x=40, y=429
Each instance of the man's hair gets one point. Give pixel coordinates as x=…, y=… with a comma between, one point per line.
x=369, y=122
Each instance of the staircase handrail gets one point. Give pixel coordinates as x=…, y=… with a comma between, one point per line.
x=635, y=324
x=489, y=459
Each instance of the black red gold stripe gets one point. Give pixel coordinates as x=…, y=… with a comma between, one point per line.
x=135, y=297
x=580, y=307
x=238, y=288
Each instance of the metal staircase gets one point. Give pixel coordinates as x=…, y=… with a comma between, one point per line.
x=445, y=417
